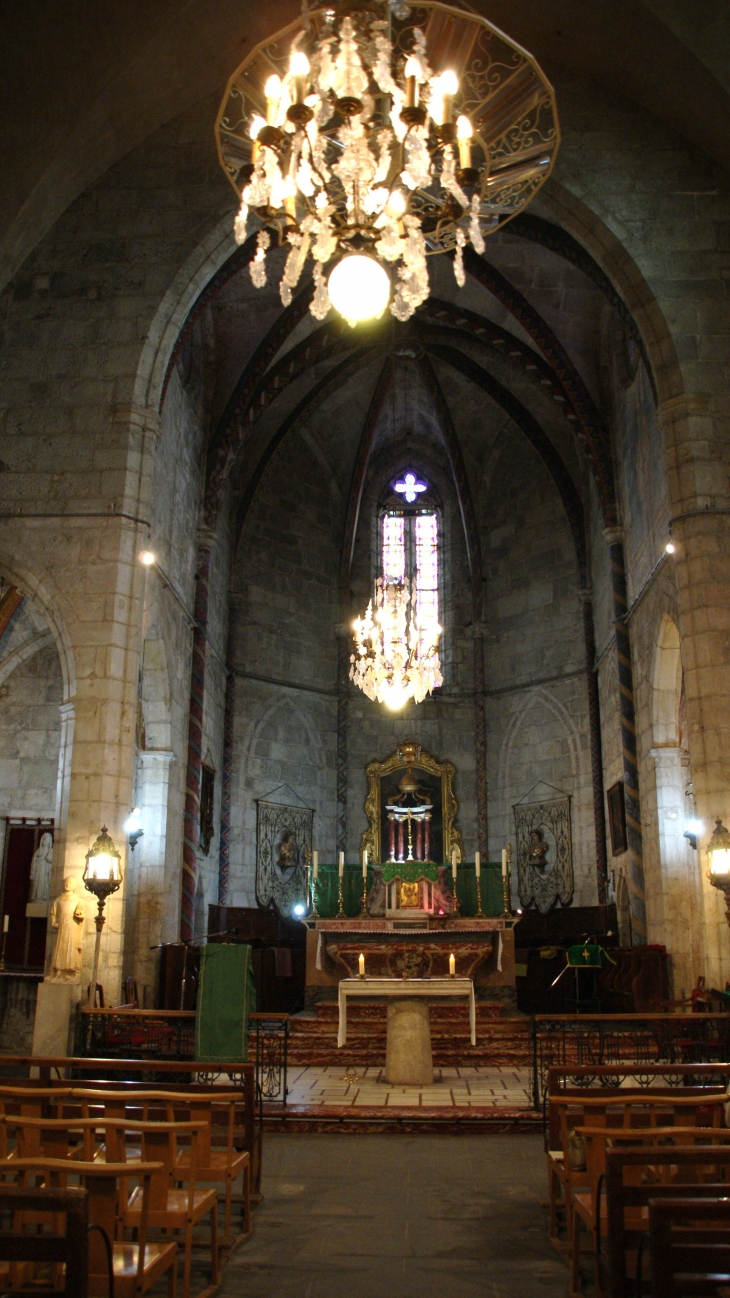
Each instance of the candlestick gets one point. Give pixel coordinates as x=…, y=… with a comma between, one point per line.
x=341, y=886
x=6, y=926
x=453, y=877
x=452, y=966
x=507, y=882
x=313, y=886
x=361, y=964
x=478, y=871
x=364, y=914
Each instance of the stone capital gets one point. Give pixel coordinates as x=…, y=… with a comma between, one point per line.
x=613, y=535
x=662, y=752
x=206, y=538
x=143, y=417
x=155, y=756
x=682, y=406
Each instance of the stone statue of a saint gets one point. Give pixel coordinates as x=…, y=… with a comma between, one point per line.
x=537, y=854
x=67, y=915
x=40, y=870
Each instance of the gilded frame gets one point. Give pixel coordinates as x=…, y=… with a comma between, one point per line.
x=370, y=839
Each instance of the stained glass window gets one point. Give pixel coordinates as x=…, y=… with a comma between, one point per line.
x=410, y=545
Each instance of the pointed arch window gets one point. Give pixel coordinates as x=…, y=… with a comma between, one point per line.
x=409, y=538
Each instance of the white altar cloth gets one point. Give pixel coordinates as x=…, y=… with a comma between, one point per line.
x=405, y=987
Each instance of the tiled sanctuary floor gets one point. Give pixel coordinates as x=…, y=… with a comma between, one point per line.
x=365, y=1087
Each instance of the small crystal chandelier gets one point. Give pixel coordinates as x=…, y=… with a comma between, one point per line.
x=352, y=151
x=396, y=655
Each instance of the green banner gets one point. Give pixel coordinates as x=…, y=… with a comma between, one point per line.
x=226, y=997
x=466, y=887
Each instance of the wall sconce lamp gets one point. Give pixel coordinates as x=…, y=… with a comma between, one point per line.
x=718, y=854
x=133, y=827
x=102, y=876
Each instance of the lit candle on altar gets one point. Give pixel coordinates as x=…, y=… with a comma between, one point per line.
x=315, y=864
x=361, y=964
x=504, y=862
x=452, y=965
x=341, y=865
x=365, y=864
x=477, y=864
x=6, y=923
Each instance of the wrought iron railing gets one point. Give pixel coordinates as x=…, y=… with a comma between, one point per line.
x=135, y=1034
x=271, y=1038
x=170, y=1035
x=632, y=1039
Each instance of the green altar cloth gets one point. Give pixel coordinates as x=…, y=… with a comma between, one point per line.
x=411, y=871
x=226, y=997
x=466, y=886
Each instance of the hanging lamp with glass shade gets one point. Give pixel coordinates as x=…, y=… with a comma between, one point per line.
x=366, y=137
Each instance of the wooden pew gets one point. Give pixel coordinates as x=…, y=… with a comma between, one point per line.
x=689, y=1246
x=636, y=1176
x=110, y=1072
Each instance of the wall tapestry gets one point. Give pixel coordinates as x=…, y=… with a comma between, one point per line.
x=544, y=848
x=283, y=849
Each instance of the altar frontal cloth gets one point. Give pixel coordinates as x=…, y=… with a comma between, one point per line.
x=226, y=997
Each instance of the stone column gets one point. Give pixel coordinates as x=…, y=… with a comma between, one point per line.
x=680, y=894
x=480, y=734
x=146, y=871
x=614, y=540
x=697, y=460
x=191, y=817
x=344, y=638
x=594, y=723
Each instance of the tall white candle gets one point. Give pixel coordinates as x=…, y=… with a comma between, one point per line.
x=315, y=864
x=6, y=923
x=453, y=861
x=365, y=864
x=504, y=862
x=341, y=865
x=477, y=863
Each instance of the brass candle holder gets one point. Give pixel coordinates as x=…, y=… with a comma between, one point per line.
x=364, y=914
x=507, y=886
x=457, y=903
x=479, y=912
x=341, y=891
x=314, y=913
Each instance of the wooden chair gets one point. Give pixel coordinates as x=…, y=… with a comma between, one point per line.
x=224, y=1164
x=636, y=1176
x=136, y=1267
x=47, y=1137
x=589, y=1205
x=170, y=1208
x=64, y=1248
x=33, y=1101
x=689, y=1246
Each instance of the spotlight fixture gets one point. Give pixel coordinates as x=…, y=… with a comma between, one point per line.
x=670, y=547
x=133, y=827
x=147, y=558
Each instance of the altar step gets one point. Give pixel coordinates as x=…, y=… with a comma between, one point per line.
x=500, y=1041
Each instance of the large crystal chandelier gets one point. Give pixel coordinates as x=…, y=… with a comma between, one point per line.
x=396, y=654
x=366, y=138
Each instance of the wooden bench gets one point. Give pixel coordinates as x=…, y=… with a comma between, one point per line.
x=60, y=1070
x=689, y=1246
x=636, y=1176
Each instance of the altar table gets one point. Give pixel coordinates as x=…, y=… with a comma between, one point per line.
x=407, y=987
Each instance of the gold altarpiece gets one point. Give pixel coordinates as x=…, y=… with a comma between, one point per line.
x=409, y=756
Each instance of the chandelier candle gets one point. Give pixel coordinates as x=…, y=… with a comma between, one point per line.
x=355, y=114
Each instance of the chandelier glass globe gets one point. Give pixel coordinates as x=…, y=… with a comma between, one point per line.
x=359, y=288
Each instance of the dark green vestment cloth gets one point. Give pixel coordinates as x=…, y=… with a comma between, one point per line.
x=226, y=997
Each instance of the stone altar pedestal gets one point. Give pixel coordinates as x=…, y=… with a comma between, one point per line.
x=53, y=1018
x=408, y=1060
